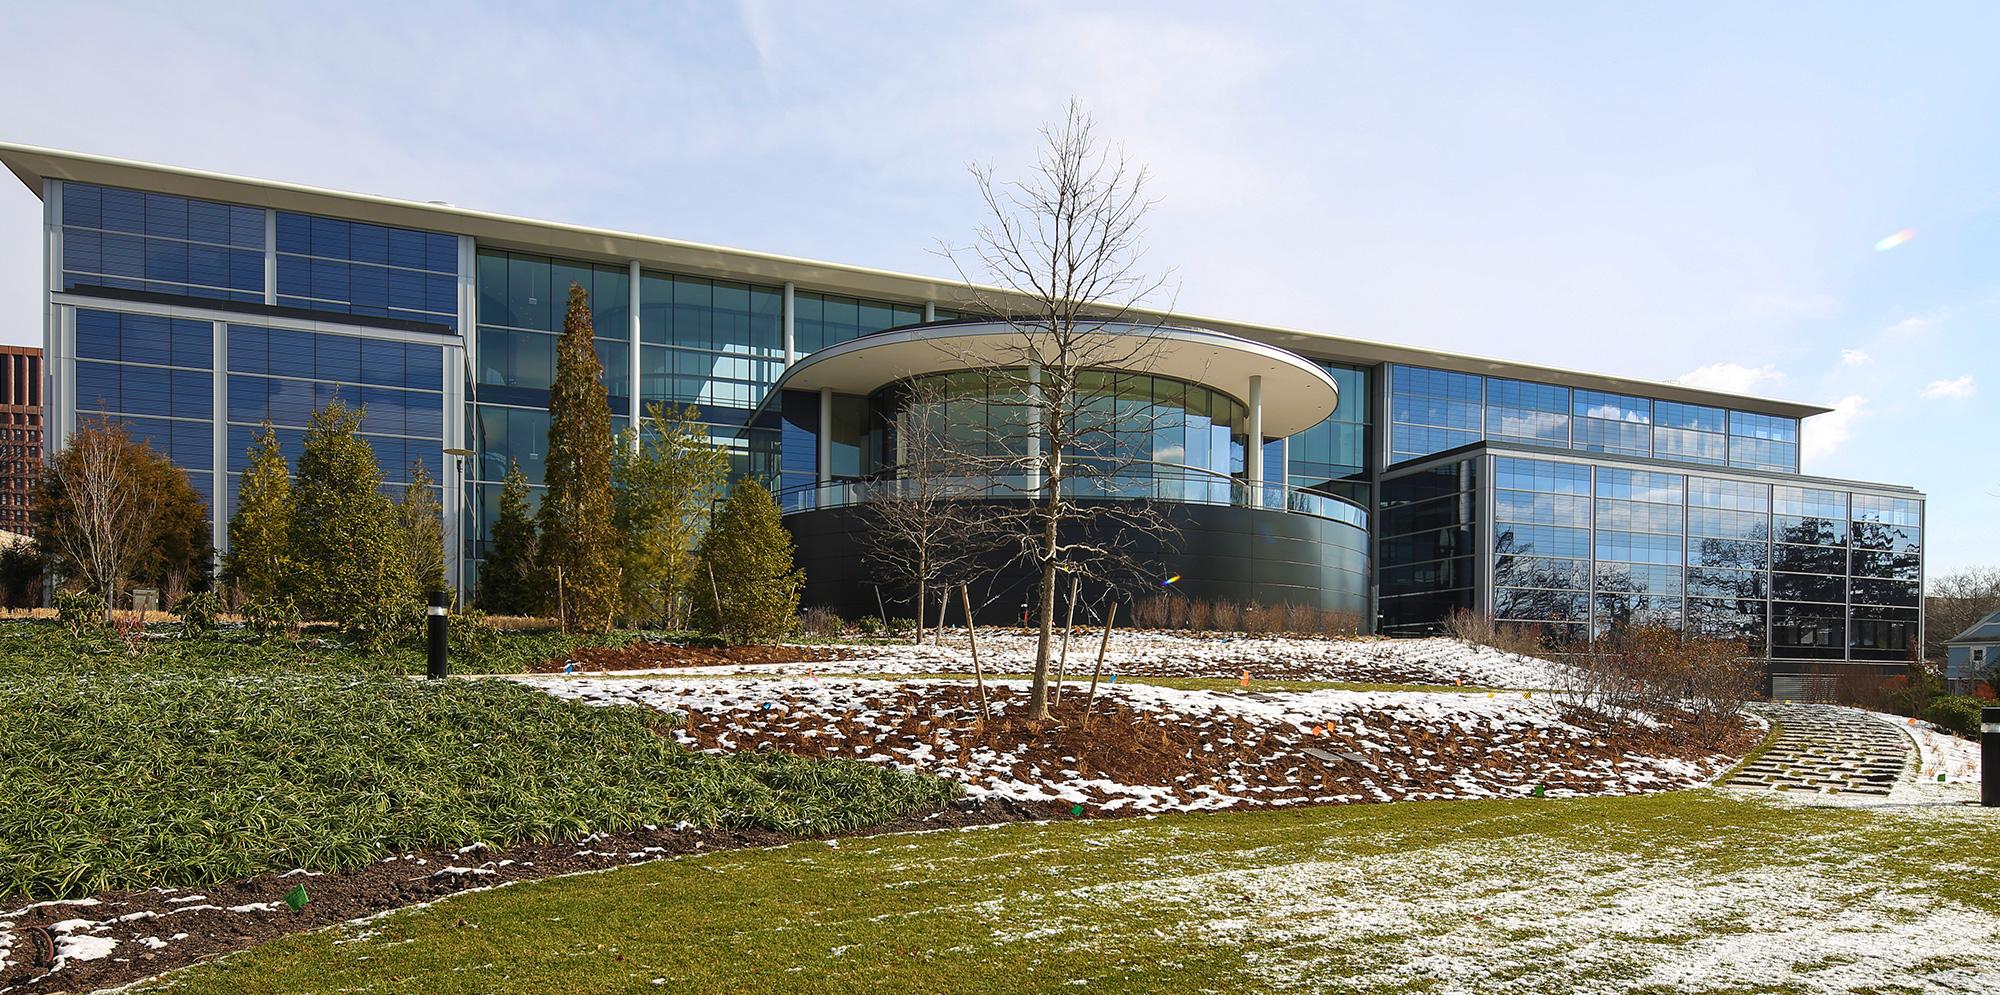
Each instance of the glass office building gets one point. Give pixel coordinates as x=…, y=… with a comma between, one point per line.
x=194, y=307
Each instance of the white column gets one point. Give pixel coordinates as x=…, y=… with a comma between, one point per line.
x=825, y=435
x=219, y=435
x=1253, y=444
x=638, y=409
x=930, y=311
x=791, y=348
x=271, y=256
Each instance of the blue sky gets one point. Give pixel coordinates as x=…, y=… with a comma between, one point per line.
x=1688, y=192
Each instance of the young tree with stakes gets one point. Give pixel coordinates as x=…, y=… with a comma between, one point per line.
x=259, y=557
x=506, y=575
x=1063, y=246
x=346, y=537
x=666, y=478
x=578, y=558
x=747, y=566
x=422, y=517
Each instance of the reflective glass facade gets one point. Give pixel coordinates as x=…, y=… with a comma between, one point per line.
x=1431, y=411
x=1334, y=455
x=160, y=243
x=348, y=267
x=1577, y=548
x=194, y=321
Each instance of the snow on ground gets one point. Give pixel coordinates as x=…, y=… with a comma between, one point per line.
x=1258, y=748
x=1436, y=661
x=1527, y=914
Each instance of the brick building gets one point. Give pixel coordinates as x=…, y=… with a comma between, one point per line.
x=20, y=435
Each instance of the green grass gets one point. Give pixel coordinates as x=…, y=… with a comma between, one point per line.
x=209, y=760
x=1559, y=896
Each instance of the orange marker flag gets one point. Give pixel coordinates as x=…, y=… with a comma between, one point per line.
x=1245, y=681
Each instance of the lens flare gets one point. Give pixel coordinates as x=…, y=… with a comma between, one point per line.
x=1895, y=240
x=1170, y=580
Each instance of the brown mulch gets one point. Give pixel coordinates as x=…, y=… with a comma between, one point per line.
x=1357, y=757
x=204, y=913
x=649, y=656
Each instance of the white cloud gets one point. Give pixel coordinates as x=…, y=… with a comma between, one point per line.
x=1825, y=434
x=1734, y=378
x=1956, y=389
x=1913, y=324
x=1855, y=357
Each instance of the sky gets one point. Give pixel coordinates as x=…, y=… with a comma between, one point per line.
x=1690, y=192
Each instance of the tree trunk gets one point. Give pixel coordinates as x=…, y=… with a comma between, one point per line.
x=918, y=639
x=1038, y=693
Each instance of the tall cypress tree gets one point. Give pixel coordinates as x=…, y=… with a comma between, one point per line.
x=506, y=575
x=259, y=561
x=577, y=555
x=346, y=537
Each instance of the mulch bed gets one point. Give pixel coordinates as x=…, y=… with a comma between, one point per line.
x=1195, y=761
x=211, y=928
x=650, y=656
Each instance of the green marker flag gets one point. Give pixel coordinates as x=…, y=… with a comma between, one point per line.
x=1076, y=810
x=296, y=898
x=1539, y=792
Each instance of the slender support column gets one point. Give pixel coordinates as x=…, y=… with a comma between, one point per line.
x=930, y=311
x=638, y=409
x=270, y=257
x=791, y=338
x=219, y=440
x=825, y=435
x=1036, y=419
x=1253, y=443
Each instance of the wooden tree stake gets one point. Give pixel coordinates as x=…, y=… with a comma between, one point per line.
x=1069, y=622
x=1109, y=617
x=972, y=633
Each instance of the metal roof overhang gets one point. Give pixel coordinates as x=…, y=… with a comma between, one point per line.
x=1296, y=393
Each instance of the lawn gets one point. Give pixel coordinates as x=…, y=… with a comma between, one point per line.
x=1692, y=891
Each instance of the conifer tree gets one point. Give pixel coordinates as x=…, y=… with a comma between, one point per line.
x=665, y=481
x=259, y=561
x=577, y=554
x=345, y=536
x=747, y=589
x=422, y=518
x=506, y=575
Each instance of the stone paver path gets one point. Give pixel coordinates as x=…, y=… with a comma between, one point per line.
x=1826, y=748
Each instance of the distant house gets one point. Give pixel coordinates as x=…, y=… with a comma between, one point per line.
x=1970, y=656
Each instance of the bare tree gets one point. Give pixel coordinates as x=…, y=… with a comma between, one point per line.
x=1955, y=601
x=1063, y=248
x=922, y=531
x=95, y=518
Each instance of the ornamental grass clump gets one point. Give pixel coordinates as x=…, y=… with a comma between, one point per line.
x=209, y=761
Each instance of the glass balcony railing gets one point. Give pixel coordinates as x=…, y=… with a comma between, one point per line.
x=1160, y=482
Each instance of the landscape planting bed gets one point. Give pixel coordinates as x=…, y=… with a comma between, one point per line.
x=644, y=655
x=1140, y=653
x=1156, y=749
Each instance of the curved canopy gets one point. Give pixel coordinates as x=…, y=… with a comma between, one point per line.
x=1297, y=393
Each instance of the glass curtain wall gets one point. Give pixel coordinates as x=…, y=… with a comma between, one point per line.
x=1333, y=456
x=1428, y=545
x=155, y=376
x=1136, y=430
x=1836, y=573
x=350, y=267
x=1431, y=411
x=159, y=243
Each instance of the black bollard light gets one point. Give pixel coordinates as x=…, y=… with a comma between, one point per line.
x=1989, y=757
x=435, y=626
